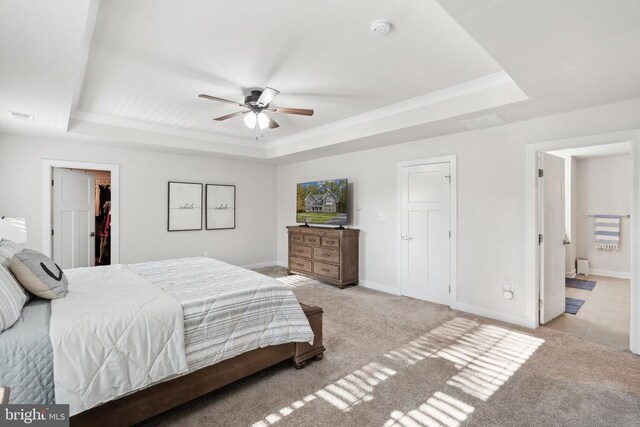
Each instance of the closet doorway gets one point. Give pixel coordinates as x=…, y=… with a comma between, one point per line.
x=81, y=213
x=81, y=217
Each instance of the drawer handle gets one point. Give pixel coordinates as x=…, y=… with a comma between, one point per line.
x=300, y=265
x=325, y=269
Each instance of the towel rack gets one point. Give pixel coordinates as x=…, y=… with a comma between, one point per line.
x=619, y=216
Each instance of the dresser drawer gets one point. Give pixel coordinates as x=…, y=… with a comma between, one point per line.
x=328, y=255
x=312, y=240
x=300, y=264
x=303, y=251
x=328, y=270
x=331, y=242
x=296, y=238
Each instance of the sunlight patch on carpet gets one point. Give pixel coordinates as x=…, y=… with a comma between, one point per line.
x=486, y=357
x=294, y=281
x=342, y=394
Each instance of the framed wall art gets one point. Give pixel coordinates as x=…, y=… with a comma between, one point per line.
x=221, y=207
x=185, y=206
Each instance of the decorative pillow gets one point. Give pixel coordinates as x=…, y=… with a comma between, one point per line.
x=38, y=274
x=12, y=299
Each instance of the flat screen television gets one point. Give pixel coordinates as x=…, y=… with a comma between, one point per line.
x=322, y=202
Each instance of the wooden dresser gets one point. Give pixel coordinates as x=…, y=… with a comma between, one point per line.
x=326, y=254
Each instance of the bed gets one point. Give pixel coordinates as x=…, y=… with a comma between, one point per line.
x=233, y=323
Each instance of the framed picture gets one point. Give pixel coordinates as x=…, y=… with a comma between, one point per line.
x=221, y=207
x=185, y=206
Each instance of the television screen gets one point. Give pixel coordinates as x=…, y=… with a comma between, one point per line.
x=322, y=202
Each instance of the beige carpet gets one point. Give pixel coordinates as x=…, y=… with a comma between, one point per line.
x=396, y=361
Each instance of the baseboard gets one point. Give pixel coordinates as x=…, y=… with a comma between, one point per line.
x=570, y=274
x=282, y=264
x=260, y=265
x=473, y=309
x=379, y=287
x=609, y=273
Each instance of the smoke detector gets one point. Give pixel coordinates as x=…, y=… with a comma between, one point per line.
x=381, y=27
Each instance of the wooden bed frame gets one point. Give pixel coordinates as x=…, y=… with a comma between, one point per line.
x=161, y=397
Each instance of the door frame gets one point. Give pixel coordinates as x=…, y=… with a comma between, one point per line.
x=47, y=201
x=453, y=220
x=532, y=251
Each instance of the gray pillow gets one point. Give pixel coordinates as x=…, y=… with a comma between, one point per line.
x=12, y=299
x=38, y=274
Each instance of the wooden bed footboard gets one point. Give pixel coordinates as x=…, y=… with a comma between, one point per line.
x=161, y=397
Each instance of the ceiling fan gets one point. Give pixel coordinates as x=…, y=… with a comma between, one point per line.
x=257, y=104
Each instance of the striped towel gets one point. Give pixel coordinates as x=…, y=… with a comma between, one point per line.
x=607, y=232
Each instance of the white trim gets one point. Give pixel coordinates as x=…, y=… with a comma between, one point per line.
x=47, y=176
x=453, y=221
x=480, y=94
x=144, y=126
x=532, y=289
x=283, y=264
x=388, y=289
x=610, y=273
x=446, y=94
x=496, y=315
x=260, y=265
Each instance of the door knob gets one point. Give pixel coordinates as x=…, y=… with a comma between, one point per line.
x=92, y=234
x=406, y=237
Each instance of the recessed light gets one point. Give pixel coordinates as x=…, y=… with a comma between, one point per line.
x=24, y=117
x=483, y=122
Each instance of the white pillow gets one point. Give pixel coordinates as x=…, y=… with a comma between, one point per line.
x=7, y=250
x=12, y=299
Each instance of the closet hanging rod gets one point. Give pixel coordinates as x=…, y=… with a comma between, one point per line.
x=618, y=216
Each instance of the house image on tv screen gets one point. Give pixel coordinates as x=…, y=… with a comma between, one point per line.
x=322, y=202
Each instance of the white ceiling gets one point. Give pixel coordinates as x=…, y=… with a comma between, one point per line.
x=131, y=71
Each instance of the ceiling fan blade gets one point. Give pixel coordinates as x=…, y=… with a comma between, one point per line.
x=297, y=111
x=229, y=116
x=215, y=98
x=273, y=124
x=267, y=96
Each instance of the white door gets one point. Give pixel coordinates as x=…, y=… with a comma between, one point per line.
x=74, y=220
x=552, y=256
x=425, y=232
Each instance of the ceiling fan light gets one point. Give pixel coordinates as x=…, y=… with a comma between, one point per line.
x=263, y=121
x=250, y=120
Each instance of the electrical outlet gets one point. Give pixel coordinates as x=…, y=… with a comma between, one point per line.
x=507, y=292
x=382, y=217
x=206, y=254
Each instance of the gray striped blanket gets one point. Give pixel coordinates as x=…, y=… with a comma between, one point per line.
x=228, y=310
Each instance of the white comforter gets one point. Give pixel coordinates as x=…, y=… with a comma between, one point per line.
x=114, y=321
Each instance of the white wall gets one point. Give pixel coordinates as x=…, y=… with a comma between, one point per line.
x=490, y=193
x=144, y=176
x=604, y=187
x=491, y=203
